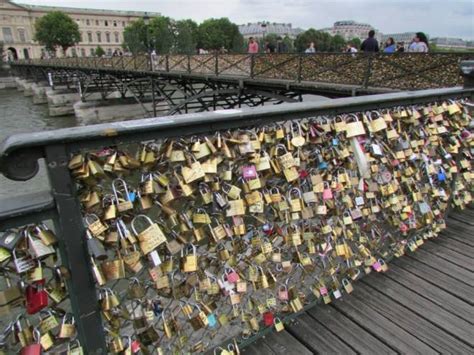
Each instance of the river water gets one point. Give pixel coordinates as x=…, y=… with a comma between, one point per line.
x=19, y=115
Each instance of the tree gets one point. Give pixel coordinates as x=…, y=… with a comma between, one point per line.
x=323, y=41
x=56, y=29
x=356, y=42
x=220, y=33
x=161, y=34
x=99, y=51
x=289, y=44
x=186, y=36
x=134, y=37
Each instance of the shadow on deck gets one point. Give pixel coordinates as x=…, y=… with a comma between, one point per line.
x=422, y=304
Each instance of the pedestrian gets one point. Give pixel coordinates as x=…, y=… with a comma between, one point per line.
x=400, y=47
x=350, y=48
x=253, y=46
x=419, y=44
x=310, y=48
x=269, y=47
x=281, y=46
x=370, y=44
x=389, y=45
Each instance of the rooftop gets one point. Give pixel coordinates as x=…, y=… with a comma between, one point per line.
x=86, y=11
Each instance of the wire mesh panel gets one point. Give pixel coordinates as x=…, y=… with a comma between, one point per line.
x=234, y=64
x=178, y=63
x=35, y=309
x=195, y=240
x=276, y=66
x=203, y=63
x=408, y=71
x=335, y=68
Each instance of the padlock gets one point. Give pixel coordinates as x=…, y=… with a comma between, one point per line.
x=36, y=297
x=10, y=239
x=151, y=237
x=189, y=261
x=122, y=196
x=9, y=297
x=68, y=328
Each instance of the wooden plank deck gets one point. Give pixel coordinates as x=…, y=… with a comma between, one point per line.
x=424, y=304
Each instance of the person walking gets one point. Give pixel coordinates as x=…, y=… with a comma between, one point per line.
x=253, y=46
x=419, y=44
x=310, y=48
x=400, y=47
x=390, y=46
x=370, y=44
x=281, y=46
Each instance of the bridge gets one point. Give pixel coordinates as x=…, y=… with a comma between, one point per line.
x=367, y=198
x=190, y=83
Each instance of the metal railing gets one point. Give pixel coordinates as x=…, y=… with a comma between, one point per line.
x=400, y=71
x=19, y=155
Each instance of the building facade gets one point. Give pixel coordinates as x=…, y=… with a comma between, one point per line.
x=453, y=43
x=97, y=27
x=351, y=29
x=260, y=29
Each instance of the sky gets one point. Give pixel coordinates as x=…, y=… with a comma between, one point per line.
x=438, y=18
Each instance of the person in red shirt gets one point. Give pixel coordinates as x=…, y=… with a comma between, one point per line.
x=253, y=46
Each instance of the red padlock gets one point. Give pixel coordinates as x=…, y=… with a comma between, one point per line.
x=268, y=319
x=232, y=276
x=32, y=349
x=36, y=297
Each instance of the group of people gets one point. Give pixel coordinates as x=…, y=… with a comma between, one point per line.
x=419, y=44
x=280, y=46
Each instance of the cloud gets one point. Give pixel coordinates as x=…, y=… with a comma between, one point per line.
x=453, y=18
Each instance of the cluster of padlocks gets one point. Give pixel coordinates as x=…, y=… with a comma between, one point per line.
x=197, y=240
x=194, y=240
x=34, y=305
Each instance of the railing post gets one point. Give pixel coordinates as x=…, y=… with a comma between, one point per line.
x=217, y=64
x=189, y=63
x=300, y=66
x=71, y=231
x=467, y=72
x=167, y=63
x=252, y=65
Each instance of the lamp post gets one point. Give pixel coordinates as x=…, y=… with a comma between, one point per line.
x=146, y=21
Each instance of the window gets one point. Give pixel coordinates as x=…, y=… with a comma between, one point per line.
x=80, y=36
x=117, y=37
x=97, y=22
x=7, y=35
x=88, y=23
x=89, y=37
x=83, y=52
x=106, y=23
x=91, y=51
x=74, y=52
x=99, y=37
x=109, y=52
x=21, y=35
x=115, y=23
x=123, y=23
x=107, y=37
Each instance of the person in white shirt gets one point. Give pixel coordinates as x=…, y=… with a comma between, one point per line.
x=419, y=44
x=310, y=48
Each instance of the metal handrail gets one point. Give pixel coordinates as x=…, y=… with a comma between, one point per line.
x=365, y=66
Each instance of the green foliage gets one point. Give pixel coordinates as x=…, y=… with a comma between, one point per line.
x=289, y=44
x=323, y=41
x=356, y=42
x=162, y=34
x=220, y=33
x=56, y=29
x=99, y=51
x=135, y=37
x=186, y=36
x=1, y=50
